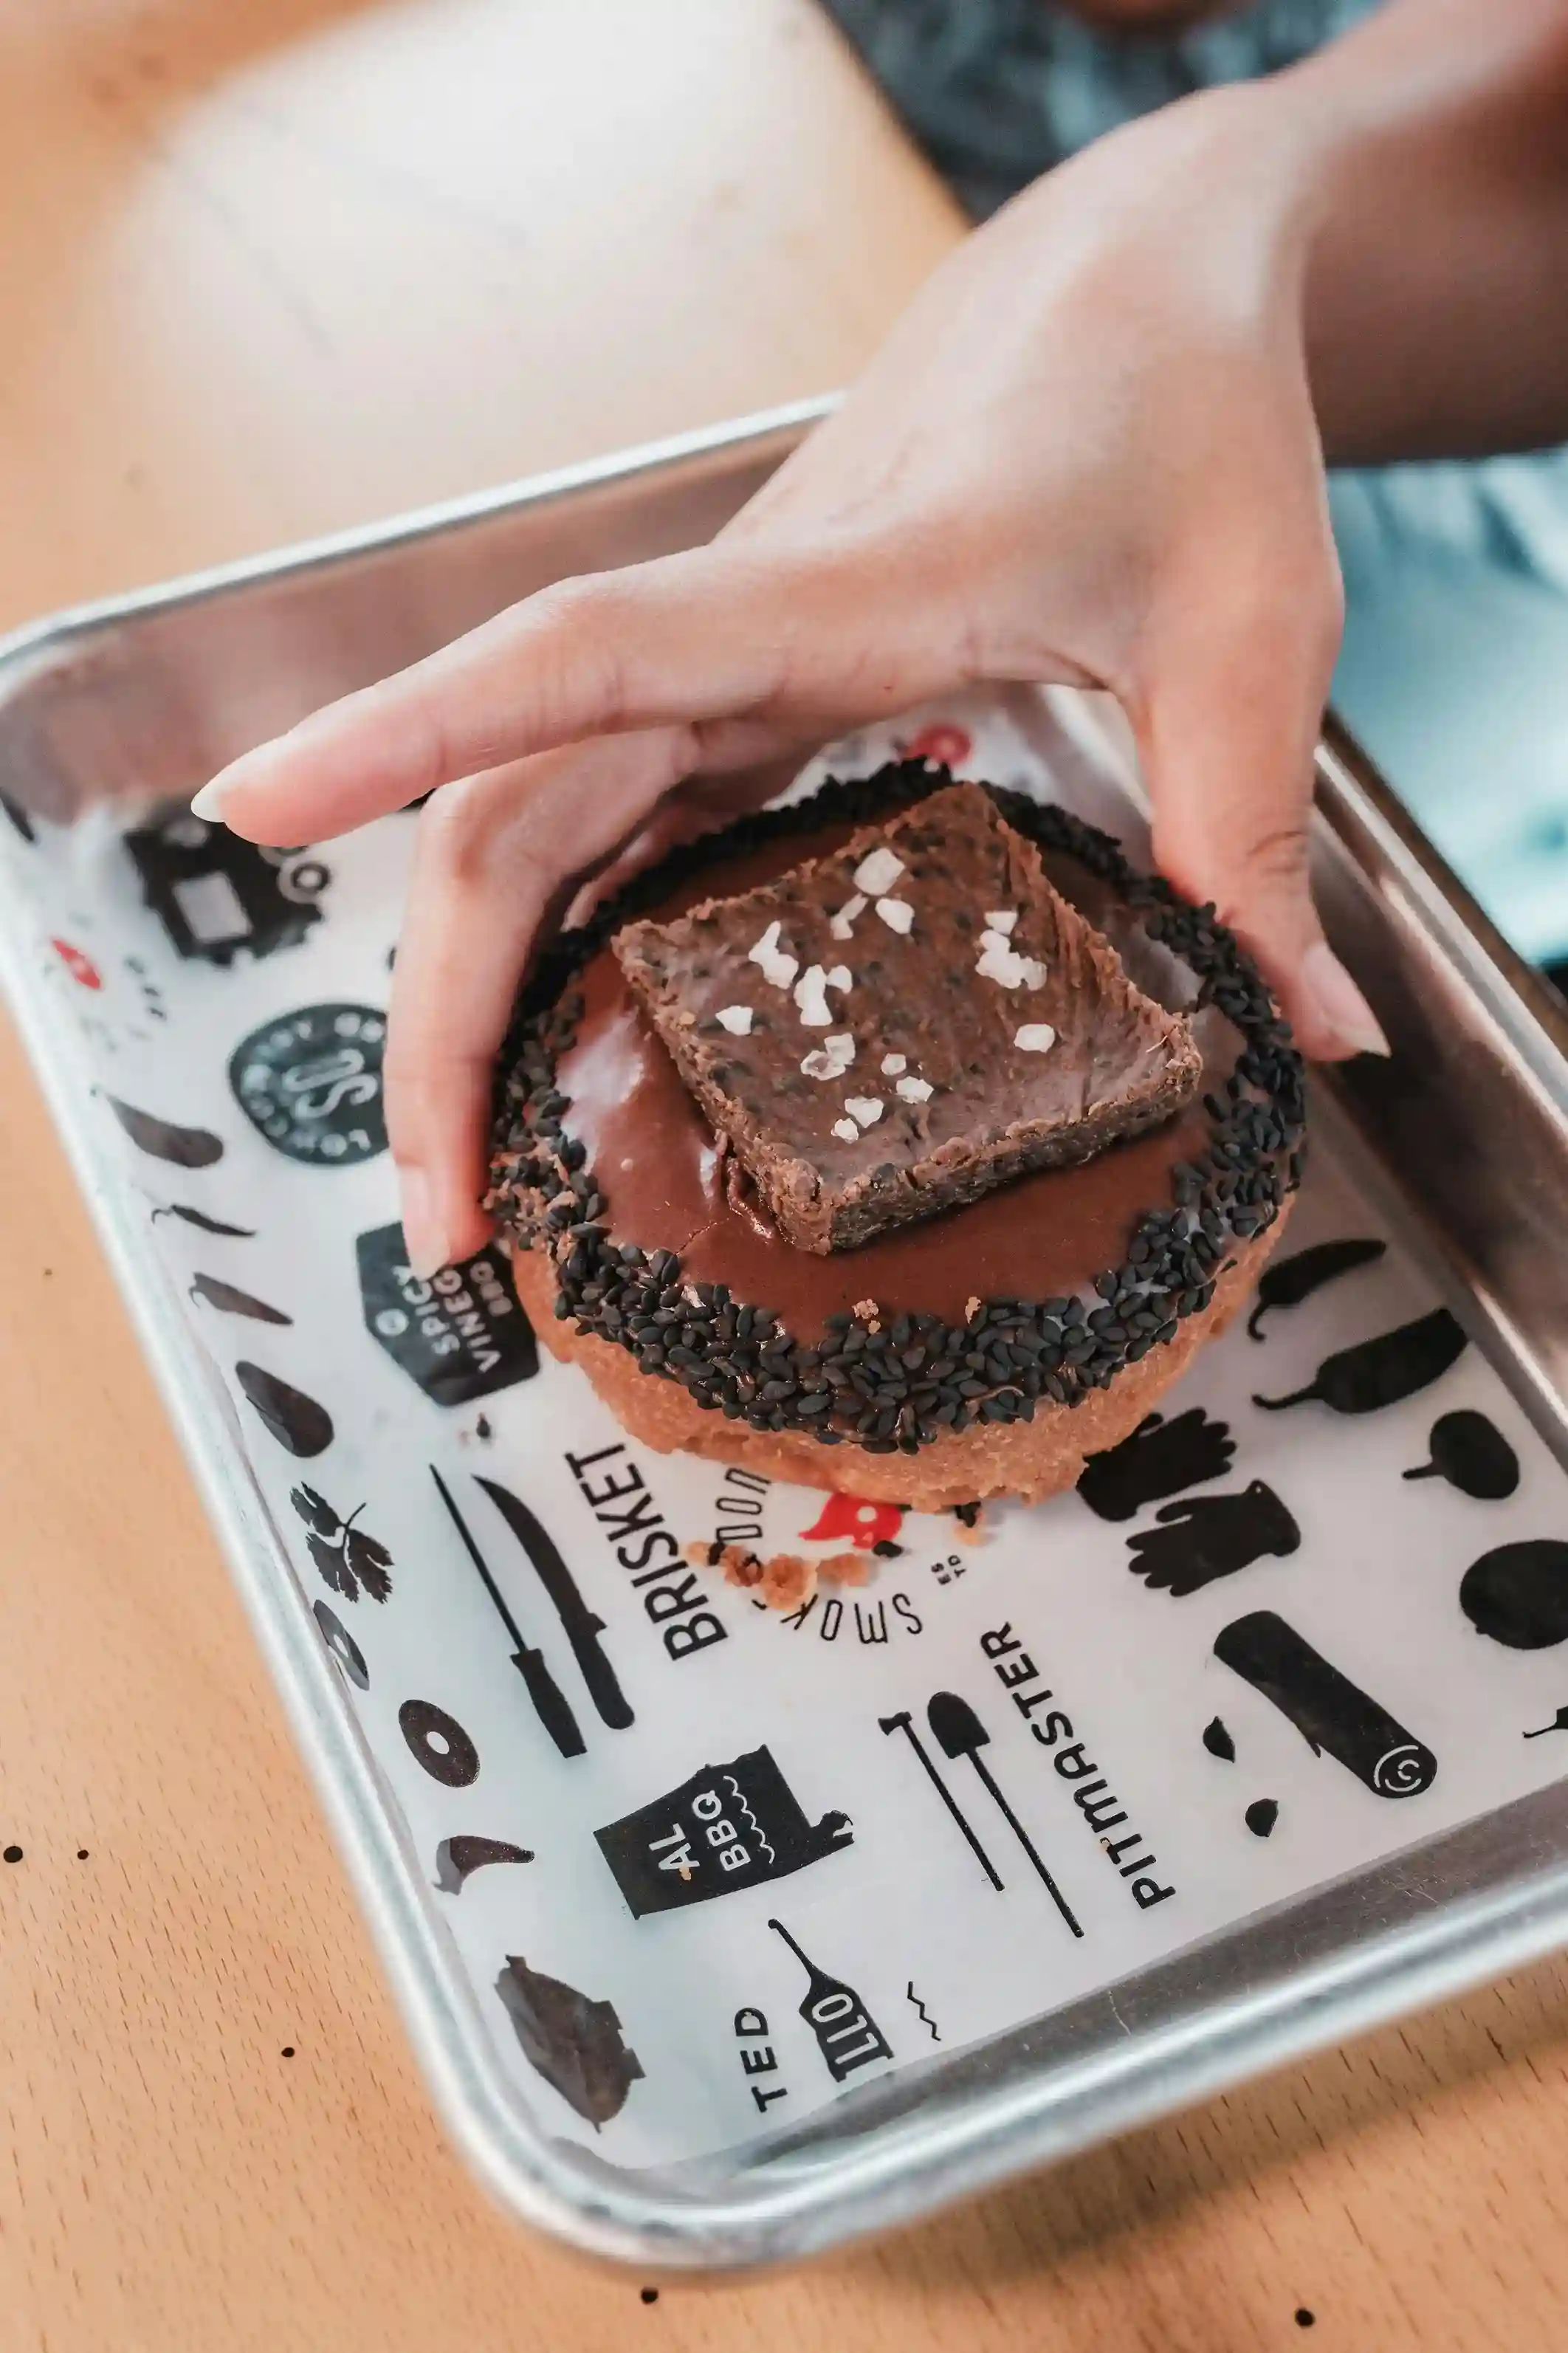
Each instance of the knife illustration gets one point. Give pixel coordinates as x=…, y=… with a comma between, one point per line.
x=578, y=1623
x=549, y=1702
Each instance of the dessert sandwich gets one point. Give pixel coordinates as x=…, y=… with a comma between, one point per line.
x=906, y=1140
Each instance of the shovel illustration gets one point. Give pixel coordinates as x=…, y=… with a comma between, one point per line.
x=957, y=1732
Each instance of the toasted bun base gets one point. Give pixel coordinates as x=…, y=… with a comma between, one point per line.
x=1028, y=1458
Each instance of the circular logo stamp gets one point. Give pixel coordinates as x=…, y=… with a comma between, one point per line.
x=310, y=1082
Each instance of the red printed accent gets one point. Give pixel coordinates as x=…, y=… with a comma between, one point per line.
x=942, y=744
x=846, y=1519
x=81, y=968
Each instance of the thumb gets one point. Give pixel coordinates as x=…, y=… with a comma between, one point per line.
x=1226, y=731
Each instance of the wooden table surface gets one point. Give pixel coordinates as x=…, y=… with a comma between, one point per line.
x=268, y=266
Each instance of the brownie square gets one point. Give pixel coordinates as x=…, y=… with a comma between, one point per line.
x=895, y=1029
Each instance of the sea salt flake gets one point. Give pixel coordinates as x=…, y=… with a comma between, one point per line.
x=897, y=913
x=1000, y=962
x=846, y=1129
x=893, y=1063
x=865, y=1109
x=736, y=1019
x=1002, y=920
x=878, y=870
x=916, y=1091
x=842, y=924
x=810, y=993
x=1035, y=1037
x=831, y=1059
x=777, y=964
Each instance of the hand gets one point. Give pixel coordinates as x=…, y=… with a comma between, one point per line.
x=1086, y=454
x=1207, y=1536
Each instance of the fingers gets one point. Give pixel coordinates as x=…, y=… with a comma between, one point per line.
x=497, y=855
x=707, y=636
x=1227, y=719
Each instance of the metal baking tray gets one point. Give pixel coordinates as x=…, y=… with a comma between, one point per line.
x=1460, y=1146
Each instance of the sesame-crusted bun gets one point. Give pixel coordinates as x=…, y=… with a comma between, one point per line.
x=1034, y=1458
x=986, y=1350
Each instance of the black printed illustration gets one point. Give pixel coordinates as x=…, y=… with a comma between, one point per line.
x=1290, y=1281
x=1519, y=1594
x=1472, y=1454
x=200, y=1218
x=1558, y=1723
x=230, y=1301
x=959, y=1732
x=927, y=2021
x=462, y=1335
x=439, y=1742
x=456, y=1859
x=1205, y=1537
x=295, y=1420
x=1328, y=1711
x=1382, y=1371
x=310, y=1083
x=19, y=817
x=846, y=2035
x=217, y=896
x=574, y=2042
x=727, y=1827
x=583, y=1630
x=349, y=1558
x=342, y=1644
x=1218, y=1742
x=186, y=1147
x=549, y=1702
x=1261, y=1816
x=1160, y=1459
x=902, y=1722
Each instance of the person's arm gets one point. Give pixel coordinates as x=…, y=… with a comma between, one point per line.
x=1436, y=311
x=1089, y=452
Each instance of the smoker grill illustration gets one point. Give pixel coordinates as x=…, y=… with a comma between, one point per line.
x=218, y=897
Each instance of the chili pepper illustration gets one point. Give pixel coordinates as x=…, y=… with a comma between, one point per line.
x=1290, y=1281
x=295, y=1420
x=457, y=1858
x=200, y=1218
x=188, y=1147
x=1472, y=1454
x=1381, y=1371
x=233, y=1301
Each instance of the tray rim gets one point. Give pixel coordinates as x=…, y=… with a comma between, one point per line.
x=861, y=2189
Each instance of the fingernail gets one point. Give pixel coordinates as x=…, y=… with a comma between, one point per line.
x=1339, y=1002
x=208, y=803
x=422, y=1236
x=253, y=767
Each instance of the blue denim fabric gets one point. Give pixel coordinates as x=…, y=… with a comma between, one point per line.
x=1455, y=669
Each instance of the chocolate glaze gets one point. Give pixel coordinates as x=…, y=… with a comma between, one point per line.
x=1116, y=1065
x=895, y=1386
x=665, y=1178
